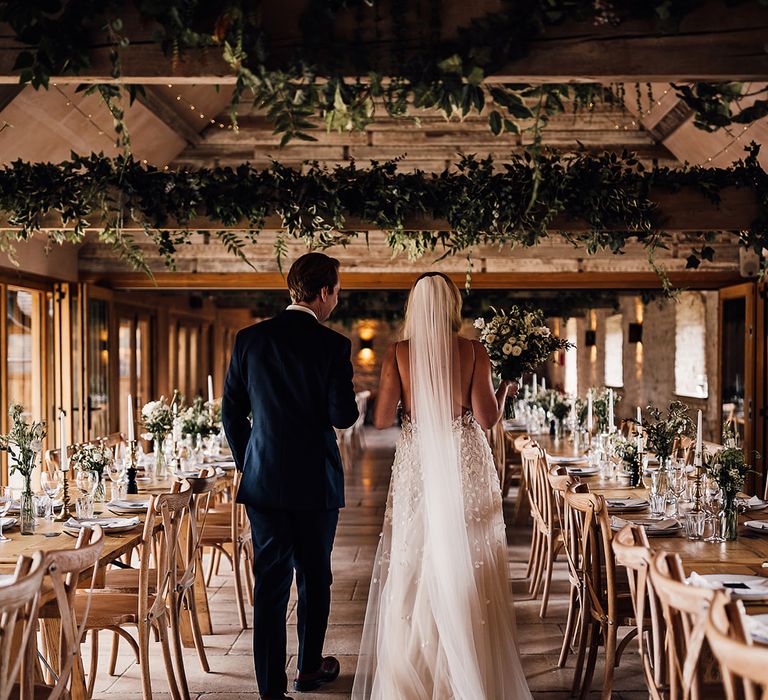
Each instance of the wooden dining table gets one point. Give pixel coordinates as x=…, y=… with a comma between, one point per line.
x=53, y=535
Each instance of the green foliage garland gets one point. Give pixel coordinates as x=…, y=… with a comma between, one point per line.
x=483, y=205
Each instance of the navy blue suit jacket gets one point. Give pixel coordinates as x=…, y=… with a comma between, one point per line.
x=294, y=376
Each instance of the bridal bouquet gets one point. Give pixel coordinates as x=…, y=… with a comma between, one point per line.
x=518, y=341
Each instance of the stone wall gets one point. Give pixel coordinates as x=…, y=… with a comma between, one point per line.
x=649, y=366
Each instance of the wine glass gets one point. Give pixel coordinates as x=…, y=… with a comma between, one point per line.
x=85, y=481
x=676, y=479
x=52, y=484
x=6, y=499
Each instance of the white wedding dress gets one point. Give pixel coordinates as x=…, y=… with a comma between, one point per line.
x=439, y=622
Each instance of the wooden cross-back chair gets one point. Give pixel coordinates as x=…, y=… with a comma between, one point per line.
x=560, y=481
x=66, y=569
x=632, y=551
x=743, y=665
x=52, y=458
x=604, y=606
x=686, y=612
x=18, y=621
x=147, y=607
x=522, y=510
x=234, y=531
x=547, y=539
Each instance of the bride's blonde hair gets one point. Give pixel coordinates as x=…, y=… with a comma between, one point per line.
x=454, y=308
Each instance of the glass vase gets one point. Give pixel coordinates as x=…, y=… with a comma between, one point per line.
x=729, y=523
x=100, y=492
x=27, y=510
x=635, y=473
x=160, y=472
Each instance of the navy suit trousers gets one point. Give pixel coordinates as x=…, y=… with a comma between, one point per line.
x=284, y=541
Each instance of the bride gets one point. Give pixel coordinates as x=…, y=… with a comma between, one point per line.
x=439, y=622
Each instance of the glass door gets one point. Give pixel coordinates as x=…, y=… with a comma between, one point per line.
x=134, y=375
x=97, y=355
x=737, y=361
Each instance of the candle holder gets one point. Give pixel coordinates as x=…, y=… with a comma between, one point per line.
x=697, y=488
x=132, y=487
x=66, y=506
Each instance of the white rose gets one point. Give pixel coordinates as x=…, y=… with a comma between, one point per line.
x=505, y=329
x=516, y=351
x=543, y=330
x=507, y=349
x=479, y=323
x=36, y=445
x=490, y=339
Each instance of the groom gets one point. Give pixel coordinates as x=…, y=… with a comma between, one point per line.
x=294, y=377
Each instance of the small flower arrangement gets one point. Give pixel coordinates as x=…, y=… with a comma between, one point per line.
x=518, y=341
x=728, y=467
x=661, y=432
x=600, y=408
x=90, y=457
x=199, y=419
x=626, y=450
x=157, y=419
x=23, y=443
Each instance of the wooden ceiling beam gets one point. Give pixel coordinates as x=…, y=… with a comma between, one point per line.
x=687, y=210
x=718, y=42
x=707, y=279
x=164, y=109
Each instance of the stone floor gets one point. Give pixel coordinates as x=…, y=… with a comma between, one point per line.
x=229, y=649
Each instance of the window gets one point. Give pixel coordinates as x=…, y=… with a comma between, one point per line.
x=614, y=350
x=571, y=366
x=690, y=346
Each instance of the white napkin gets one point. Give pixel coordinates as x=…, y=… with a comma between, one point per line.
x=754, y=501
x=627, y=502
x=667, y=524
x=699, y=581
x=758, y=524
x=757, y=626
x=106, y=523
x=130, y=505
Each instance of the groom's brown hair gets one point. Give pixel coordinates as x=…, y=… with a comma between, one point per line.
x=310, y=274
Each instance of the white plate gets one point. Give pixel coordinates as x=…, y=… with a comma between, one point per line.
x=620, y=505
x=760, y=504
x=194, y=473
x=650, y=526
x=226, y=466
x=562, y=459
x=739, y=585
x=128, y=506
x=583, y=471
x=6, y=579
x=757, y=525
x=9, y=522
x=758, y=627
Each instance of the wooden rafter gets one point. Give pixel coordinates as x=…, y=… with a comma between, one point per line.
x=712, y=279
x=164, y=109
x=686, y=210
x=718, y=42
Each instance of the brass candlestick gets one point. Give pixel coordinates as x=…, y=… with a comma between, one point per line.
x=65, y=504
x=697, y=484
x=133, y=487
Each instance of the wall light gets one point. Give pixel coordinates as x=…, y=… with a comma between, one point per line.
x=590, y=338
x=635, y=333
x=366, y=343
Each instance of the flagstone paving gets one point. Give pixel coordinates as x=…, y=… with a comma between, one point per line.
x=229, y=648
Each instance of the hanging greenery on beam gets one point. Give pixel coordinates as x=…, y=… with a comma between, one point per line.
x=481, y=203
x=449, y=76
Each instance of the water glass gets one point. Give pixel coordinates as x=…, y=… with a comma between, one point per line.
x=84, y=506
x=694, y=525
x=119, y=490
x=658, y=504
x=6, y=500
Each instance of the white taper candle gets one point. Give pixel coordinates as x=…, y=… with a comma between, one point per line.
x=131, y=433
x=64, y=460
x=210, y=389
x=697, y=455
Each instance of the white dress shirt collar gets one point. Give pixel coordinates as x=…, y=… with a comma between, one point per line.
x=299, y=307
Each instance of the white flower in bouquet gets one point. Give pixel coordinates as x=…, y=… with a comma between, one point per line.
x=157, y=418
x=23, y=442
x=90, y=457
x=517, y=341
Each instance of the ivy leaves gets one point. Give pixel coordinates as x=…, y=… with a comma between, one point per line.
x=483, y=204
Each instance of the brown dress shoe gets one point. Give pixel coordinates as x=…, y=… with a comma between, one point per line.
x=327, y=673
